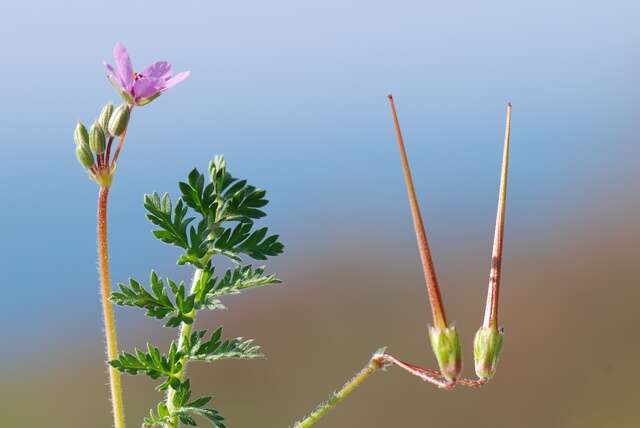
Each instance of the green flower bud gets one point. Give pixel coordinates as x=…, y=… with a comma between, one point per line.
x=105, y=115
x=446, y=346
x=119, y=120
x=80, y=135
x=486, y=351
x=97, y=140
x=84, y=156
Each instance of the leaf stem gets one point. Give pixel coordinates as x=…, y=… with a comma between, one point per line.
x=185, y=333
x=491, y=308
x=437, y=307
x=376, y=362
x=107, y=308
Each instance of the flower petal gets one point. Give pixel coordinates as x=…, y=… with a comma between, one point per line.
x=146, y=87
x=175, y=80
x=158, y=70
x=114, y=76
x=123, y=63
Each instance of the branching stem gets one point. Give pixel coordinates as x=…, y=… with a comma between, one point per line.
x=381, y=360
x=107, y=309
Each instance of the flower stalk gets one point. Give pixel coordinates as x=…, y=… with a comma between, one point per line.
x=111, y=336
x=93, y=150
x=376, y=362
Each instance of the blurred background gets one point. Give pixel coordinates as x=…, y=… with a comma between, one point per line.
x=293, y=93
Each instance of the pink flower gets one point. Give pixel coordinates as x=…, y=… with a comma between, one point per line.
x=141, y=88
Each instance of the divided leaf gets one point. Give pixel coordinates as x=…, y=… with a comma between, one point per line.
x=198, y=196
x=241, y=240
x=152, y=363
x=158, y=304
x=238, y=279
x=173, y=224
x=217, y=349
x=184, y=410
x=226, y=209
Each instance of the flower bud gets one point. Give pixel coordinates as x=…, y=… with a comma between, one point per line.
x=119, y=120
x=97, y=141
x=446, y=346
x=80, y=135
x=104, y=117
x=84, y=156
x=486, y=351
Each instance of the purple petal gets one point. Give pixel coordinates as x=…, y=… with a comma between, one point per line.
x=114, y=76
x=146, y=87
x=175, y=80
x=123, y=63
x=158, y=70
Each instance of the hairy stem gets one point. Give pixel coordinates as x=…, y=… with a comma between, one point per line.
x=185, y=333
x=107, y=309
x=433, y=290
x=376, y=362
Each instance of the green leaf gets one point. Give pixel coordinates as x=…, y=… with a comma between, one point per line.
x=158, y=304
x=213, y=216
x=199, y=197
x=158, y=419
x=185, y=410
x=211, y=415
x=172, y=224
x=242, y=240
x=153, y=364
x=236, y=280
x=217, y=349
x=182, y=395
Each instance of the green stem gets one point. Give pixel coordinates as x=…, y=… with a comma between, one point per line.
x=185, y=333
x=376, y=362
x=107, y=309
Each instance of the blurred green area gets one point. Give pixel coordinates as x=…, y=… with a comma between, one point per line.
x=569, y=308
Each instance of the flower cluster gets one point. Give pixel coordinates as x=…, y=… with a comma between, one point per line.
x=93, y=146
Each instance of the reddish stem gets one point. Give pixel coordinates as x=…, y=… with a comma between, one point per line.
x=120, y=143
x=431, y=375
x=107, y=309
x=108, y=151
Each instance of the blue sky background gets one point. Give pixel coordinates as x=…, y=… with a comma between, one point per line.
x=293, y=93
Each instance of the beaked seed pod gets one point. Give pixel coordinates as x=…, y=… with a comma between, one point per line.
x=119, y=120
x=446, y=346
x=104, y=117
x=486, y=351
x=80, y=135
x=97, y=140
x=84, y=156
